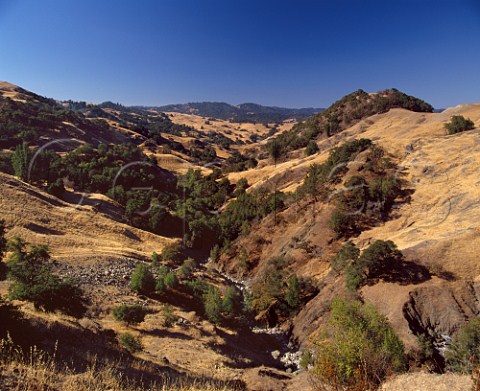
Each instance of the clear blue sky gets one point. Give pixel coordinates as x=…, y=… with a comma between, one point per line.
x=293, y=53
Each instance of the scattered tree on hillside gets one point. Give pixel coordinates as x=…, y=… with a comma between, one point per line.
x=142, y=279
x=274, y=150
x=32, y=280
x=380, y=258
x=292, y=296
x=313, y=180
x=459, y=123
x=212, y=304
x=268, y=287
x=21, y=160
x=130, y=314
x=188, y=267
x=311, y=148
x=348, y=254
x=231, y=301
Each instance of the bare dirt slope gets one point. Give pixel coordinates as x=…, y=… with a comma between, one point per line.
x=72, y=232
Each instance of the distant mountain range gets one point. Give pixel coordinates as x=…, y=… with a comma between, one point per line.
x=245, y=112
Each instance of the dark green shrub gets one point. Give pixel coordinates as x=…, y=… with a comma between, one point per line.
x=142, y=279
x=459, y=123
x=130, y=342
x=275, y=150
x=155, y=259
x=311, y=148
x=172, y=252
x=56, y=188
x=21, y=160
x=160, y=285
x=347, y=255
x=129, y=314
x=341, y=223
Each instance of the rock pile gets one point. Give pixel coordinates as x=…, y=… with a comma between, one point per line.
x=115, y=272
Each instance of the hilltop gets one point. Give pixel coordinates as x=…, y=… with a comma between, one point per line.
x=345, y=113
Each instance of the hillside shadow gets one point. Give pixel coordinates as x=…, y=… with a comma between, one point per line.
x=76, y=348
x=407, y=272
x=247, y=349
x=43, y=230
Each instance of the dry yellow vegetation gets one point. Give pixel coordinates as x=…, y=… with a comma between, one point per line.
x=72, y=232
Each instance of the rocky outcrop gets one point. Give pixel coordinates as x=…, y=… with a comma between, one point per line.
x=441, y=309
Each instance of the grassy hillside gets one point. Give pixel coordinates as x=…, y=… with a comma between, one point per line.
x=346, y=112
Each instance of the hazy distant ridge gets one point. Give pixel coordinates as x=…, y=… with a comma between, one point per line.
x=245, y=112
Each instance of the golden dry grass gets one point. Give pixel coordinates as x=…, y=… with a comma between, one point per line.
x=36, y=370
x=72, y=233
x=229, y=129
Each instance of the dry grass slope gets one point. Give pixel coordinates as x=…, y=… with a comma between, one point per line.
x=72, y=233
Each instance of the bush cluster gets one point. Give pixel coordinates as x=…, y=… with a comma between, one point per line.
x=129, y=314
x=359, y=349
x=459, y=123
x=377, y=260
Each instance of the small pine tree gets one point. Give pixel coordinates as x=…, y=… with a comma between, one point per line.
x=21, y=160
x=56, y=188
x=313, y=180
x=155, y=259
x=170, y=280
x=33, y=280
x=347, y=254
x=292, y=296
x=212, y=304
x=230, y=301
x=275, y=150
x=142, y=280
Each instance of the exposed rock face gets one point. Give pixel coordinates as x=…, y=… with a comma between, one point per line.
x=439, y=310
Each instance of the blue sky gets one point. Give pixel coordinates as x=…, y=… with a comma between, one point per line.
x=286, y=53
